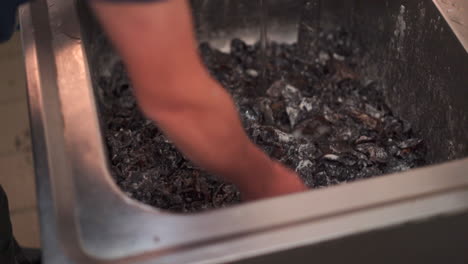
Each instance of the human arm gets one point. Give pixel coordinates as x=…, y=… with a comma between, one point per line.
x=172, y=87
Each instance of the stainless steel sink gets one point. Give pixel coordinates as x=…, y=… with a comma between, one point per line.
x=416, y=47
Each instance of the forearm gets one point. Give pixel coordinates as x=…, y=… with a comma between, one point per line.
x=174, y=89
x=210, y=134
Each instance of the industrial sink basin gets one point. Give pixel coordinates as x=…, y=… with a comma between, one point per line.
x=419, y=50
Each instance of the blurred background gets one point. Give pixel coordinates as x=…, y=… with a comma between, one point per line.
x=16, y=163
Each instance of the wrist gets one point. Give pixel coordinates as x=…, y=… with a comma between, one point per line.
x=278, y=181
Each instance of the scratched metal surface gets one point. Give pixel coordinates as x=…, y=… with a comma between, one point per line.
x=86, y=219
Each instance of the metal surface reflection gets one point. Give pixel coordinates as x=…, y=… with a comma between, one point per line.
x=85, y=218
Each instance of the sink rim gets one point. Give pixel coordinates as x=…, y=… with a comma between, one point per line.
x=75, y=187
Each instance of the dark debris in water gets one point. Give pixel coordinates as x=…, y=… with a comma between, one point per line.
x=317, y=115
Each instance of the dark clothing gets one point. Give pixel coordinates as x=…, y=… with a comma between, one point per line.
x=10, y=251
x=8, y=18
x=7, y=246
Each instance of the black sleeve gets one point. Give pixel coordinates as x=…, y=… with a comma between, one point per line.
x=8, y=17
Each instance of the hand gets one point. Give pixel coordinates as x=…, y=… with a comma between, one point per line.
x=282, y=181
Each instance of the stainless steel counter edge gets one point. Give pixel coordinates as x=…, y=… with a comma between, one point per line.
x=85, y=218
x=35, y=46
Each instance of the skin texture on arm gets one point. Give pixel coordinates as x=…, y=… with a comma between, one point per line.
x=172, y=87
